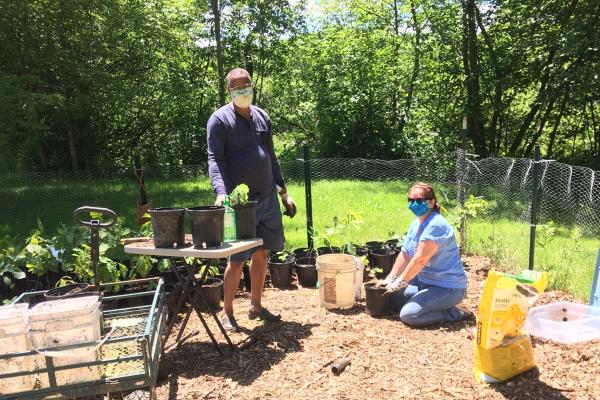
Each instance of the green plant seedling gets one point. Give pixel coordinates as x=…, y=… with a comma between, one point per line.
x=365, y=261
x=239, y=195
x=212, y=270
x=375, y=271
x=64, y=281
x=282, y=256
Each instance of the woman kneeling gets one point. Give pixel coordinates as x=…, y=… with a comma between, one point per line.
x=428, y=279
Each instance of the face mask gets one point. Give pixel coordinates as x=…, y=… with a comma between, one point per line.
x=242, y=98
x=418, y=208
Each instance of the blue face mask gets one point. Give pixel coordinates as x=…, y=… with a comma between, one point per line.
x=418, y=208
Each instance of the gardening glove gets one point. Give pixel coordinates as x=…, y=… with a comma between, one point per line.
x=388, y=280
x=289, y=204
x=398, y=284
x=219, y=200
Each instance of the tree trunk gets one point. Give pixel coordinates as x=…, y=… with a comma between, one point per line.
x=556, y=124
x=221, y=74
x=43, y=156
x=596, y=144
x=540, y=129
x=415, y=71
x=472, y=74
x=497, y=102
x=72, y=145
x=544, y=81
x=396, y=81
x=535, y=106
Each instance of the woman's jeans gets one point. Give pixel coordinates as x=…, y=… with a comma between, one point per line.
x=422, y=305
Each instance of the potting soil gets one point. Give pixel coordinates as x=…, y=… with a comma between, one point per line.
x=389, y=359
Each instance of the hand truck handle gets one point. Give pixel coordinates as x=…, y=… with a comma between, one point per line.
x=103, y=211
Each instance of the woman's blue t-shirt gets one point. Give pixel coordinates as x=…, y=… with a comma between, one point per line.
x=444, y=269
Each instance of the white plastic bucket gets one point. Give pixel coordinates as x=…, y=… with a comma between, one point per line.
x=359, y=290
x=337, y=274
x=13, y=339
x=67, y=322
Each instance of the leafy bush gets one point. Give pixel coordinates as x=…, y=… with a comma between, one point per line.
x=67, y=253
x=10, y=259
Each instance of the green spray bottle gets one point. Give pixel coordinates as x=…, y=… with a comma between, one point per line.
x=229, y=231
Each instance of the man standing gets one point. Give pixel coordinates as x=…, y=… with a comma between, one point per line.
x=240, y=150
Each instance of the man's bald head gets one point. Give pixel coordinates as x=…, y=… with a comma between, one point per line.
x=237, y=78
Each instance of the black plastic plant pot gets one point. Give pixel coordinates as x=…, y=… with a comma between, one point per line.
x=211, y=291
x=281, y=271
x=305, y=252
x=173, y=291
x=307, y=260
x=207, y=226
x=245, y=220
x=392, y=243
x=221, y=277
x=360, y=251
x=373, y=245
x=377, y=302
x=384, y=259
x=306, y=269
x=64, y=292
x=328, y=250
x=168, y=226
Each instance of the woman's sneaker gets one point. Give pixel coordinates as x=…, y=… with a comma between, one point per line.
x=462, y=312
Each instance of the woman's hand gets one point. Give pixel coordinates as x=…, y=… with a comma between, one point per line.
x=388, y=280
x=398, y=284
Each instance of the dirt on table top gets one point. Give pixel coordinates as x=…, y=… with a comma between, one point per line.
x=291, y=360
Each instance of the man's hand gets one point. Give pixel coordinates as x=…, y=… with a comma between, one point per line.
x=398, y=284
x=219, y=200
x=289, y=204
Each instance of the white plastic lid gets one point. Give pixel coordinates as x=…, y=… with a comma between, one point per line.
x=64, y=308
x=17, y=312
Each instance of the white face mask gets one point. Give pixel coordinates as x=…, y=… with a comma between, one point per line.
x=242, y=98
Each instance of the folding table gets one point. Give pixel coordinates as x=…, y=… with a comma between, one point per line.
x=145, y=246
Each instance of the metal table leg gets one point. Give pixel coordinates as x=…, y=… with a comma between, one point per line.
x=190, y=281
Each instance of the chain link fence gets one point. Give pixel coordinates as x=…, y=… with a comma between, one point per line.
x=567, y=195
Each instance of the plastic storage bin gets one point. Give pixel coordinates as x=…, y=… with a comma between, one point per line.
x=13, y=339
x=63, y=323
x=564, y=322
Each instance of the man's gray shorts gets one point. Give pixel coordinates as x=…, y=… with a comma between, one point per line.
x=269, y=227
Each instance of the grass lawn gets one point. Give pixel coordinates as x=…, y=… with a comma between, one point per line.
x=382, y=206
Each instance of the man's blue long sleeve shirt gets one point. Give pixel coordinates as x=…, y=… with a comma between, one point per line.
x=241, y=150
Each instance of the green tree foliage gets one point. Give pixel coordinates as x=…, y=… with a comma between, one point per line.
x=85, y=84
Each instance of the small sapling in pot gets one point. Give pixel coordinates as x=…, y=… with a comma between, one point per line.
x=280, y=268
x=245, y=212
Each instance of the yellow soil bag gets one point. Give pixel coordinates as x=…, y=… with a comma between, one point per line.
x=502, y=348
x=511, y=358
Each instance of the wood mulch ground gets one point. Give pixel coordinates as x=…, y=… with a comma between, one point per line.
x=388, y=359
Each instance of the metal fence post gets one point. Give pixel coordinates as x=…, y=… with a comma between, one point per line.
x=534, y=198
x=461, y=166
x=308, y=193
